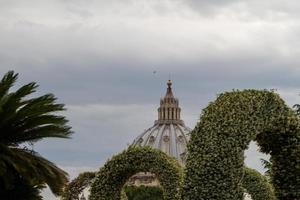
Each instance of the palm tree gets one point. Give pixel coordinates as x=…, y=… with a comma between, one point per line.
x=268, y=166
x=24, y=121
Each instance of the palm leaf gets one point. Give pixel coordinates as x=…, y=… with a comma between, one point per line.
x=7, y=82
x=33, y=167
x=22, y=120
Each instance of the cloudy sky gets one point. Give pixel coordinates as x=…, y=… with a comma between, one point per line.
x=98, y=57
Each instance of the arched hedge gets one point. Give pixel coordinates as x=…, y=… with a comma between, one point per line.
x=76, y=186
x=257, y=185
x=113, y=175
x=216, y=150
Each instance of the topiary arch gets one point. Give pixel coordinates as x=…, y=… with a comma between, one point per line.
x=111, y=178
x=215, y=161
x=257, y=185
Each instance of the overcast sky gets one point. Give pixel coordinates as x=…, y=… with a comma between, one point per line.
x=99, y=58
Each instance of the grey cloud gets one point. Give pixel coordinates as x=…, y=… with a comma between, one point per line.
x=83, y=10
x=254, y=10
x=207, y=8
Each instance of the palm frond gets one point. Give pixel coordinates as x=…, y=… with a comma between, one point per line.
x=24, y=119
x=36, y=128
x=32, y=166
x=7, y=82
x=11, y=102
x=38, y=133
x=27, y=119
x=268, y=166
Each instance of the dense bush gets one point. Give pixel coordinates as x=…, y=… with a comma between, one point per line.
x=73, y=189
x=216, y=150
x=143, y=193
x=111, y=178
x=257, y=185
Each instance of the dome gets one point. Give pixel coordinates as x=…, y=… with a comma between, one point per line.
x=169, y=133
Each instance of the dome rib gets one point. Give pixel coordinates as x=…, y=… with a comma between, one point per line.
x=173, y=137
x=185, y=129
x=159, y=135
x=150, y=134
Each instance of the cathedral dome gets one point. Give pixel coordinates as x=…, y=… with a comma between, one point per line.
x=169, y=134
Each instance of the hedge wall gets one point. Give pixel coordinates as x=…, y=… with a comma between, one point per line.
x=257, y=185
x=113, y=175
x=144, y=192
x=216, y=150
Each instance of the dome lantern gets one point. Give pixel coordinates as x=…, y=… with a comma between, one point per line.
x=169, y=110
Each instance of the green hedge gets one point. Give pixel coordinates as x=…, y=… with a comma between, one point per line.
x=76, y=186
x=113, y=175
x=144, y=192
x=257, y=185
x=216, y=150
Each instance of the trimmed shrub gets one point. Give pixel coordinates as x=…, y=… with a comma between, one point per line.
x=257, y=185
x=216, y=150
x=111, y=178
x=143, y=192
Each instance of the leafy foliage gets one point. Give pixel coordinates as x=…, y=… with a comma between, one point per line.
x=20, y=189
x=268, y=166
x=24, y=121
x=297, y=109
x=123, y=195
x=143, y=192
x=76, y=186
x=215, y=161
x=257, y=185
x=113, y=175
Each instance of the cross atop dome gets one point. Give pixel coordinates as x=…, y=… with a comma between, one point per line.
x=169, y=93
x=169, y=83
